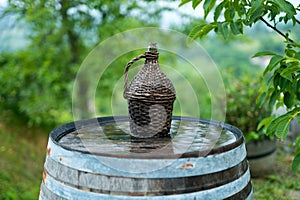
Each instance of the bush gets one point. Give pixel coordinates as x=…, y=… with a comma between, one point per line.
x=242, y=109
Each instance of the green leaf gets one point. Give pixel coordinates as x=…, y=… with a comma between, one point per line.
x=280, y=125
x=290, y=70
x=274, y=11
x=279, y=104
x=195, y=30
x=296, y=162
x=276, y=80
x=298, y=86
x=261, y=98
x=239, y=25
x=273, y=98
x=287, y=7
x=283, y=83
x=273, y=63
x=207, y=6
x=282, y=129
x=255, y=11
x=223, y=29
x=288, y=99
x=264, y=53
x=218, y=11
x=289, y=60
x=297, y=55
x=196, y=3
x=240, y=8
x=206, y=29
x=201, y=30
x=265, y=123
x=277, y=124
x=183, y=2
x=290, y=52
x=236, y=27
x=229, y=13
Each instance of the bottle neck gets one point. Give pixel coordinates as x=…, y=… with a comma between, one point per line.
x=152, y=47
x=151, y=55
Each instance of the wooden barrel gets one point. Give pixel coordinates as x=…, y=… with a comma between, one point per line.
x=221, y=173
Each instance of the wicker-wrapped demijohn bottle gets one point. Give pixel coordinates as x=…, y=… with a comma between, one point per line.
x=150, y=97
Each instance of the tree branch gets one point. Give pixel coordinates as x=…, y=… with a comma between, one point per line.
x=275, y=29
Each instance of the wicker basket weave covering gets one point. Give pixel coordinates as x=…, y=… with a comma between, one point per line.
x=150, y=97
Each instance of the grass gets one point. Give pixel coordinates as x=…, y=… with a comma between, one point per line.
x=282, y=183
x=22, y=155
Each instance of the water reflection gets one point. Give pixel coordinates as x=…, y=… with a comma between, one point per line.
x=114, y=138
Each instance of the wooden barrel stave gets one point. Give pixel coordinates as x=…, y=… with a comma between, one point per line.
x=193, y=165
x=237, y=189
x=151, y=186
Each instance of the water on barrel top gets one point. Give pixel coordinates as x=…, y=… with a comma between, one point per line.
x=113, y=138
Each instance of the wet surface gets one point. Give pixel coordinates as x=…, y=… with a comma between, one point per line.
x=114, y=138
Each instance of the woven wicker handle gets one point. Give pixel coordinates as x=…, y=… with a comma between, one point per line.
x=126, y=72
x=151, y=54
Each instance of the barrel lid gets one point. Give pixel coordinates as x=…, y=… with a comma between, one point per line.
x=110, y=141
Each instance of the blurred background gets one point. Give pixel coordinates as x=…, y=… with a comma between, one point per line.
x=42, y=45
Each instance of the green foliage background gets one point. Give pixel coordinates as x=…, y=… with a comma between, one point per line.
x=230, y=18
x=37, y=80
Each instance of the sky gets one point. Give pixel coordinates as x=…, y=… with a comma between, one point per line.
x=3, y=2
